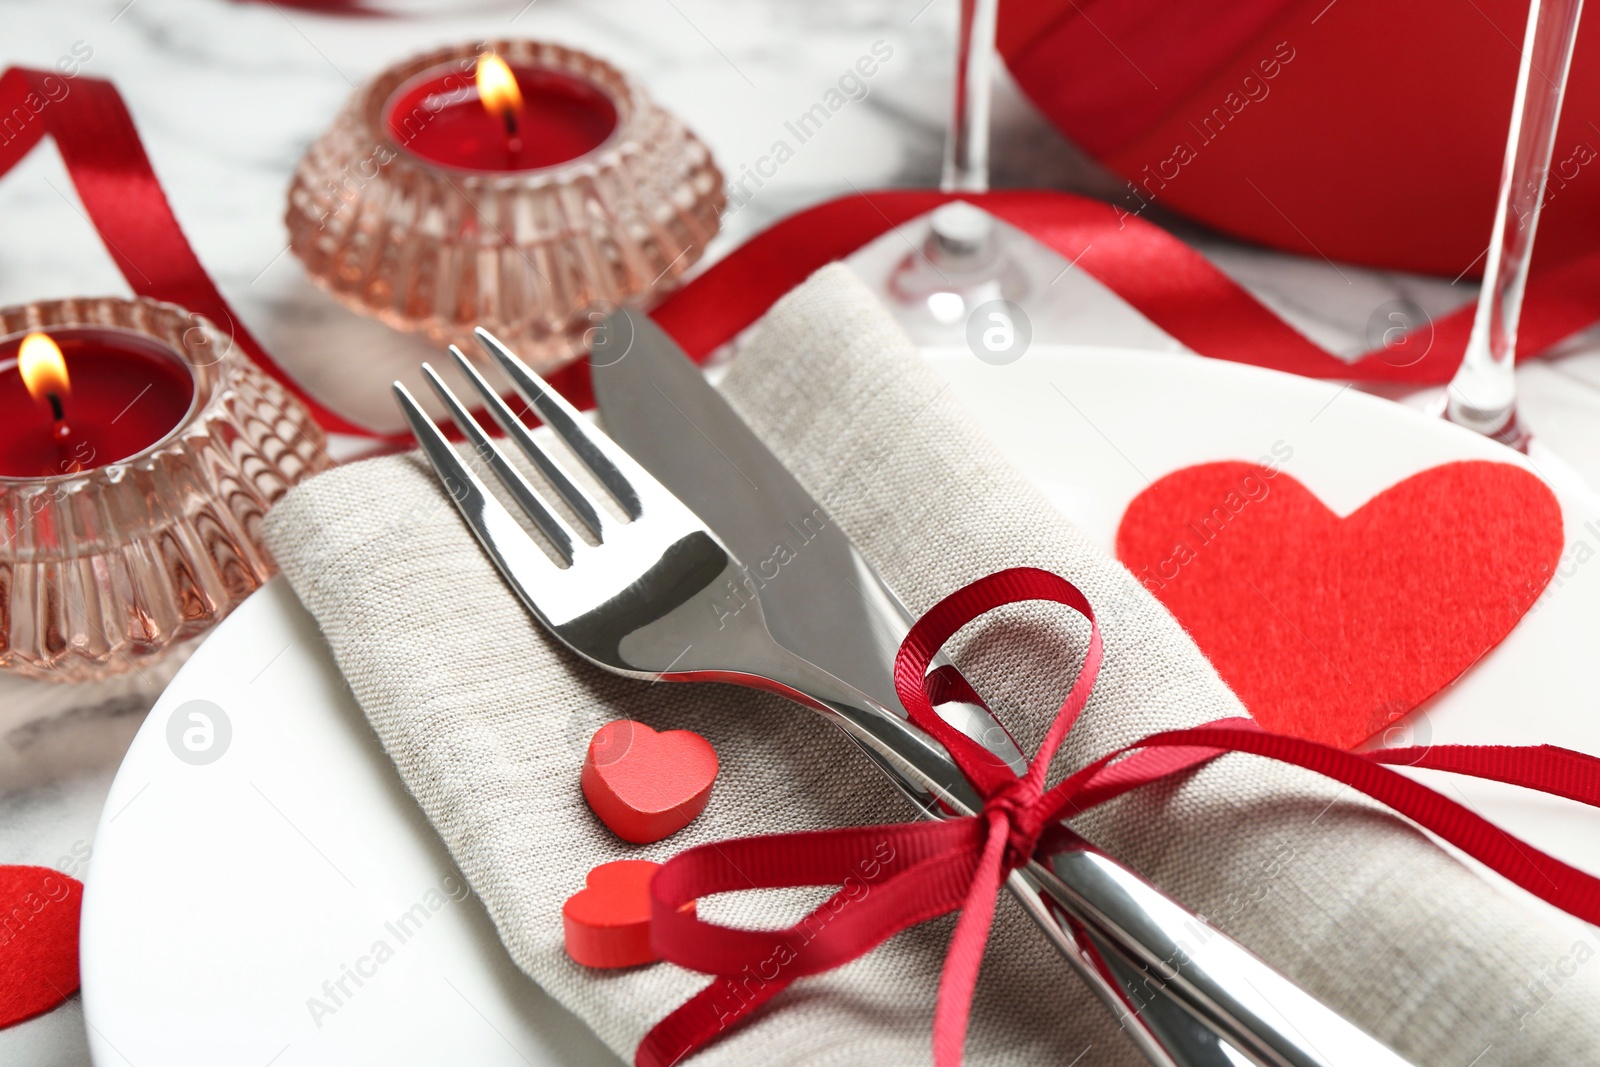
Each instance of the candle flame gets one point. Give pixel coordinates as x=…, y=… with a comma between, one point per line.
x=43, y=370
x=497, y=87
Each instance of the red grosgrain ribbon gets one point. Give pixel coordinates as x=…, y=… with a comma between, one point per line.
x=1164, y=279
x=897, y=876
x=1167, y=281
x=108, y=166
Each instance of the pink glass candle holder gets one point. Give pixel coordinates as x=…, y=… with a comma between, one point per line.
x=437, y=207
x=132, y=486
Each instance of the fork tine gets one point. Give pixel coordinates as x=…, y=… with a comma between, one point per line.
x=514, y=429
x=597, y=453
x=525, y=495
x=514, y=553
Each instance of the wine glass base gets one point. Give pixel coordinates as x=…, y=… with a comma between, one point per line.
x=1506, y=428
x=962, y=265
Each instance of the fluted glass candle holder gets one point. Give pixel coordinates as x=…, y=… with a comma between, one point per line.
x=107, y=568
x=607, y=200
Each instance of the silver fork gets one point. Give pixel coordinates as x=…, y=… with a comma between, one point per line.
x=660, y=597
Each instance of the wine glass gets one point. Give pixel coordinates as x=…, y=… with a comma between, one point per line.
x=1483, y=394
x=964, y=262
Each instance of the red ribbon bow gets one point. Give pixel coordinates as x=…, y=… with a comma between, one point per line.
x=897, y=876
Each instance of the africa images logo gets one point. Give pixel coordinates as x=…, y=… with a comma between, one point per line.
x=199, y=732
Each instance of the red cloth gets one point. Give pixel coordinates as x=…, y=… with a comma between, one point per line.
x=1360, y=130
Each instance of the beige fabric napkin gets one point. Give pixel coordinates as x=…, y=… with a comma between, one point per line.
x=487, y=720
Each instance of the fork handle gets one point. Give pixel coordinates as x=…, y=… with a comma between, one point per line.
x=1161, y=954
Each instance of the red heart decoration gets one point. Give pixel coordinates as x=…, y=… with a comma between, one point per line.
x=646, y=785
x=1332, y=628
x=607, y=924
x=38, y=941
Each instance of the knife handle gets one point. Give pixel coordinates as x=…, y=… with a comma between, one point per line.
x=1173, y=953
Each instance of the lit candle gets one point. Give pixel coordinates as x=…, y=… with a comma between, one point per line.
x=507, y=118
x=82, y=397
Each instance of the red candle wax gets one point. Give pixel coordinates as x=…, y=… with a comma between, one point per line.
x=439, y=116
x=126, y=392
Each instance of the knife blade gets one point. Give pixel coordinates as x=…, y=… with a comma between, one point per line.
x=823, y=601
x=688, y=436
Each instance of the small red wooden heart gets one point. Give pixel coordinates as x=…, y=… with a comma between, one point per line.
x=1332, y=628
x=607, y=924
x=38, y=941
x=647, y=785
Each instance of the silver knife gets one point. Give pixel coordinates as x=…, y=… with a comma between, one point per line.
x=1217, y=1008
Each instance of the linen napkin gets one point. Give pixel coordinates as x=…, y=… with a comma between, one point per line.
x=487, y=720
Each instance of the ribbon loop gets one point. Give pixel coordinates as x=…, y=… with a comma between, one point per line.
x=930, y=633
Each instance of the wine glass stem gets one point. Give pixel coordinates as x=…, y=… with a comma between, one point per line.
x=966, y=150
x=1483, y=395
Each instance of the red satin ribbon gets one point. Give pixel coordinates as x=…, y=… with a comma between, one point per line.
x=1167, y=281
x=897, y=876
x=108, y=166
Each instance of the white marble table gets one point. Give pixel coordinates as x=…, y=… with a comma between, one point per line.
x=228, y=95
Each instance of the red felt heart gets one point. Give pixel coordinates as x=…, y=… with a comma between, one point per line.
x=607, y=924
x=38, y=941
x=647, y=785
x=1332, y=628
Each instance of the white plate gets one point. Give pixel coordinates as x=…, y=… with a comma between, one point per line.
x=224, y=896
